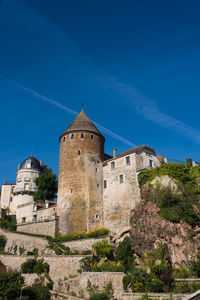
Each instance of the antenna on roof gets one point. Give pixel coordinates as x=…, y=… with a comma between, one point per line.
x=32, y=152
x=82, y=104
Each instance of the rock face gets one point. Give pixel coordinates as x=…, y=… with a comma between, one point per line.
x=148, y=230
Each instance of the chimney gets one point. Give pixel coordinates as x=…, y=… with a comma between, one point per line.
x=114, y=152
x=166, y=160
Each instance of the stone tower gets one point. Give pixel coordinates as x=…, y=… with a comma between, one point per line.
x=80, y=176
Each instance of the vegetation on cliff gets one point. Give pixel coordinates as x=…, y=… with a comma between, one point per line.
x=174, y=205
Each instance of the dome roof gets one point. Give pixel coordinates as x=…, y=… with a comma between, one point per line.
x=30, y=163
x=82, y=123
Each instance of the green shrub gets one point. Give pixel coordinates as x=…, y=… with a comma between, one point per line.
x=8, y=222
x=86, y=264
x=124, y=253
x=37, y=292
x=103, y=249
x=99, y=232
x=107, y=266
x=41, y=267
x=28, y=266
x=35, y=266
x=99, y=296
x=139, y=281
x=3, y=241
x=156, y=286
x=186, y=287
x=181, y=272
x=194, y=266
x=10, y=284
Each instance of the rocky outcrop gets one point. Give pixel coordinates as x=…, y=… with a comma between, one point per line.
x=148, y=230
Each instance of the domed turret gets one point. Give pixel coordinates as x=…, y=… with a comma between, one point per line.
x=31, y=163
x=27, y=171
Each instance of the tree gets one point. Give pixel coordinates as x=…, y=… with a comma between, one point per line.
x=10, y=284
x=47, y=186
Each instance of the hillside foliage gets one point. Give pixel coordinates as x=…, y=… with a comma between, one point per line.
x=174, y=206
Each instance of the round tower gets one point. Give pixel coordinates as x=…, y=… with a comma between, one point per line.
x=80, y=143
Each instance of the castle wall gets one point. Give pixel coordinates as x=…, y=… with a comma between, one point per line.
x=119, y=197
x=59, y=266
x=74, y=179
x=28, y=242
x=45, y=227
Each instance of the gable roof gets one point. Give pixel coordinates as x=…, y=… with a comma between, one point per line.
x=134, y=150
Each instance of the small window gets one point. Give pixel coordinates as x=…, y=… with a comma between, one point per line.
x=98, y=185
x=34, y=217
x=121, y=178
x=24, y=220
x=64, y=139
x=128, y=160
x=72, y=190
x=112, y=165
x=151, y=163
x=26, y=186
x=96, y=170
x=96, y=216
x=79, y=152
x=82, y=136
x=105, y=184
x=11, y=199
x=92, y=136
x=72, y=136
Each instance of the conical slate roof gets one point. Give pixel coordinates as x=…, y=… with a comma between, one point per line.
x=82, y=123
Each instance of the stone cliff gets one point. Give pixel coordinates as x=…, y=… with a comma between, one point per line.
x=148, y=230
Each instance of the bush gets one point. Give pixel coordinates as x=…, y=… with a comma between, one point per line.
x=3, y=241
x=107, y=266
x=99, y=232
x=124, y=254
x=34, y=266
x=28, y=266
x=194, y=266
x=180, y=272
x=103, y=249
x=37, y=292
x=86, y=264
x=99, y=296
x=10, y=284
x=41, y=267
x=156, y=286
x=8, y=222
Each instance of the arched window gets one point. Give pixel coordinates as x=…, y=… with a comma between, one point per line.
x=72, y=136
x=72, y=190
x=92, y=136
x=79, y=152
x=82, y=136
x=64, y=139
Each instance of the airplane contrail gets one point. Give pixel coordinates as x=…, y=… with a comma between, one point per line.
x=73, y=112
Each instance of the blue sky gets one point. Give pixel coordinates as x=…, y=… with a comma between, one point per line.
x=134, y=64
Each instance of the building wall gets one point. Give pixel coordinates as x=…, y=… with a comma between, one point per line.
x=73, y=178
x=120, y=198
x=7, y=200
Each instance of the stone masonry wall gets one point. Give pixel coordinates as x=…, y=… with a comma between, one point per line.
x=28, y=242
x=78, y=286
x=120, y=198
x=83, y=245
x=60, y=267
x=47, y=227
